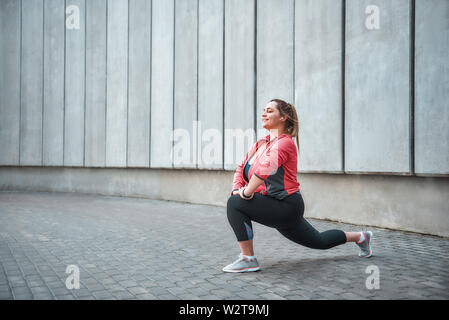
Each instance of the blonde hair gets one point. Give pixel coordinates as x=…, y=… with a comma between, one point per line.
x=291, y=124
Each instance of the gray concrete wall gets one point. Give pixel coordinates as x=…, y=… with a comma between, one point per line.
x=432, y=87
x=239, y=77
x=117, y=84
x=377, y=87
x=31, y=84
x=10, y=82
x=96, y=53
x=162, y=83
x=186, y=75
x=113, y=91
x=139, y=84
x=275, y=60
x=318, y=84
x=369, y=79
x=74, y=91
x=416, y=204
x=210, y=84
x=53, y=110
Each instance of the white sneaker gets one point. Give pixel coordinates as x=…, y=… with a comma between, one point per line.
x=242, y=264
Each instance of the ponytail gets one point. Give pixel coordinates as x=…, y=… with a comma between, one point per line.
x=291, y=124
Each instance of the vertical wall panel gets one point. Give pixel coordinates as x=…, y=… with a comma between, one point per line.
x=185, y=93
x=32, y=83
x=377, y=87
x=239, y=80
x=117, y=83
x=74, y=87
x=133, y=75
x=139, y=83
x=162, y=83
x=9, y=82
x=210, y=84
x=95, y=132
x=275, y=43
x=318, y=82
x=432, y=87
x=53, y=122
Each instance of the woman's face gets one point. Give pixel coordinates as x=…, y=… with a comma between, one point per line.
x=271, y=117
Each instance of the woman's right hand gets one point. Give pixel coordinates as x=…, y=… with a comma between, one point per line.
x=245, y=197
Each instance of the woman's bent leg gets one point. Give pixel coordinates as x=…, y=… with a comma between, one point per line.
x=262, y=209
x=239, y=221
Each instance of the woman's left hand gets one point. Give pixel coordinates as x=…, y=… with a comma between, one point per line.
x=247, y=195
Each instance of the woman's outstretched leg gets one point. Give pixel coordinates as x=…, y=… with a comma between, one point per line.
x=305, y=234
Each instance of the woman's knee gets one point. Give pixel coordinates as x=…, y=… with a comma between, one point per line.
x=230, y=206
x=234, y=208
x=233, y=202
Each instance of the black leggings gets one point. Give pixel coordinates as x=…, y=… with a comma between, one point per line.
x=285, y=215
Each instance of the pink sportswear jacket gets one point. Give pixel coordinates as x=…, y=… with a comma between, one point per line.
x=276, y=166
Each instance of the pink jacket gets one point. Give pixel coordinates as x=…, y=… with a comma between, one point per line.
x=277, y=166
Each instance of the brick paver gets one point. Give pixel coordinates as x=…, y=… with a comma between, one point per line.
x=134, y=248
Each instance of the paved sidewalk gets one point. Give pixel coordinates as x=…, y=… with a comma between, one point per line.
x=131, y=248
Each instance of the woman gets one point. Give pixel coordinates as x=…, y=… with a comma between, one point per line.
x=265, y=190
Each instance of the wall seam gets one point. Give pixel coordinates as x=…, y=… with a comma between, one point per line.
x=85, y=80
x=127, y=94
x=343, y=86
x=106, y=92
x=223, y=86
x=255, y=70
x=43, y=83
x=412, y=88
x=173, y=81
x=64, y=93
x=151, y=83
x=294, y=54
x=20, y=84
x=197, y=143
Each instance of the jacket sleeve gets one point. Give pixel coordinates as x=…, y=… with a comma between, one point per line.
x=239, y=181
x=275, y=157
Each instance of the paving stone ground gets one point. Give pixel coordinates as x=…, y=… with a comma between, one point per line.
x=134, y=248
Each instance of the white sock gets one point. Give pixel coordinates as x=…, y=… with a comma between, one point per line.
x=248, y=257
x=362, y=238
